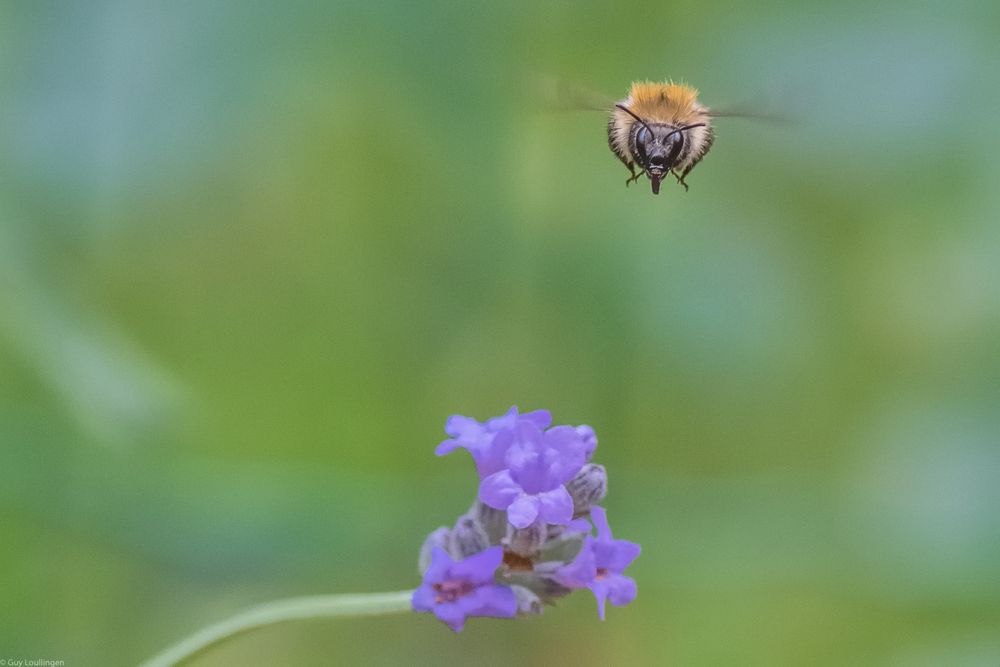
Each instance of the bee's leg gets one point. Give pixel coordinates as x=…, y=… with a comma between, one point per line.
x=680, y=178
x=635, y=176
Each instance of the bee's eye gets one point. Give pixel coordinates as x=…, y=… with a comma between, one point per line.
x=642, y=137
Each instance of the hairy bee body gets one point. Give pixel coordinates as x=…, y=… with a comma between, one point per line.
x=660, y=128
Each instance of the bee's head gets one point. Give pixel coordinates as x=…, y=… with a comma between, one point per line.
x=656, y=147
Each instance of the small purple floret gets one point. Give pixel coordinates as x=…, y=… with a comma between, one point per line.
x=538, y=464
x=488, y=441
x=600, y=564
x=589, y=439
x=454, y=590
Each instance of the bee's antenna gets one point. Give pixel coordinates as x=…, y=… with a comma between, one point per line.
x=629, y=112
x=682, y=129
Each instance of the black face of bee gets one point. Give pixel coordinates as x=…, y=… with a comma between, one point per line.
x=657, y=148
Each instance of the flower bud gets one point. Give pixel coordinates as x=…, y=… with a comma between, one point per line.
x=528, y=604
x=439, y=538
x=493, y=521
x=563, y=547
x=528, y=541
x=467, y=537
x=588, y=488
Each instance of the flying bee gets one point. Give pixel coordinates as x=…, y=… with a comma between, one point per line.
x=660, y=129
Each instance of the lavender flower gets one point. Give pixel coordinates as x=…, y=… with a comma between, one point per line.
x=488, y=441
x=600, y=564
x=519, y=547
x=538, y=465
x=454, y=590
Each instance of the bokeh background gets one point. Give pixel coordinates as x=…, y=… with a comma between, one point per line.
x=252, y=255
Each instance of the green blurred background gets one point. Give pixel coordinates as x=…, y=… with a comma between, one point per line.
x=252, y=255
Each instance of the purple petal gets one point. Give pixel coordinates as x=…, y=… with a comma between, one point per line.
x=447, y=447
x=582, y=571
x=423, y=598
x=472, y=602
x=491, y=451
x=492, y=600
x=556, y=506
x=523, y=511
x=589, y=439
x=540, y=418
x=600, y=590
x=567, y=440
x=464, y=431
x=621, y=589
x=524, y=458
x=458, y=426
x=499, y=490
x=577, y=526
x=478, y=439
x=507, y=420
x=564, y=455
x=616, y=555
x=440, y=564
x=478, y=568
x=452, y=614
x=600, y=518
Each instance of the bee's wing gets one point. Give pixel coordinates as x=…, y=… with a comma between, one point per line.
x=767, y=117
x=554, y=94
x=769, y=107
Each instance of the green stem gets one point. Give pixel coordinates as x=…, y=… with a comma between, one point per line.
x=282, y=611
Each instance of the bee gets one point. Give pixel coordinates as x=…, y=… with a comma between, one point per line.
x=660, y=129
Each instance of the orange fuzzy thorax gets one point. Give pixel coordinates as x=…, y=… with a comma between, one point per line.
x=670, y=103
